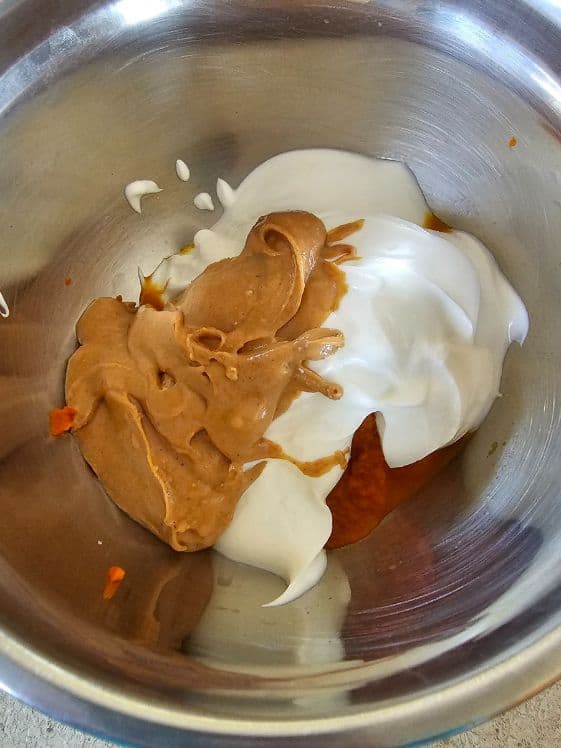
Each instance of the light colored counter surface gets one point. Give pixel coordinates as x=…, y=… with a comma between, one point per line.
x=535, y=724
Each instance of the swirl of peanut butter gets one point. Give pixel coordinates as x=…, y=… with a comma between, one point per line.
x=171, y=404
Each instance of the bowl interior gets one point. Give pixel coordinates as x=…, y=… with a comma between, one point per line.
x=460, y=578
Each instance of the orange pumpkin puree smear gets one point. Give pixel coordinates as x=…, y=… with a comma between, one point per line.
x=61, y=420
x=436, y=224
x=369, y=489
x=115, y=575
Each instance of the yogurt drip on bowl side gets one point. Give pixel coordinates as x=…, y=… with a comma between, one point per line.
x=427, y=320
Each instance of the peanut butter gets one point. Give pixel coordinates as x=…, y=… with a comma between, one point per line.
x=173, y=403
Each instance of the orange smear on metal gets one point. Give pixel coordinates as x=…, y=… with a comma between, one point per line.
x=369, y=489
x=186, y=249
x=115, y=575
x=68, y=281
x=152, y=293
x=61, y=420
x=512, y=143
x=436, y=224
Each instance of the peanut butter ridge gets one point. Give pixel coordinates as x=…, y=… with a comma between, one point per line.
x=172, y=403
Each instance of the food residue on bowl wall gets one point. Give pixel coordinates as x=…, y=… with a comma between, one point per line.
x=203, y=201
x=182, y=170
x=114, y=578
x=151, y=293
x=61, y=420
x=135, y=191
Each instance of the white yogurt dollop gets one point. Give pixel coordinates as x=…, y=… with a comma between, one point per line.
x=427, y=320
x=203, y=201
x=182, y=170
x=135, y=191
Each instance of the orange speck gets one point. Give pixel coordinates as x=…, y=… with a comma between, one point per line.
x=186, y=249
x=512, y=143
x=115, y=575
x=435, y=223
x=61, y=420
x=68, y=281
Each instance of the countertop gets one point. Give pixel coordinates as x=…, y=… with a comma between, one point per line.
x=534, y=724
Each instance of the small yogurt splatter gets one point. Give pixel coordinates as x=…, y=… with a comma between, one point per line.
x=182, y=170
x=134, y=191
x=226, y=194
x=203, y=201
x=4, y=308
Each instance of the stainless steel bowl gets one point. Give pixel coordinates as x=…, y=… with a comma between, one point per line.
x=451, y=611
